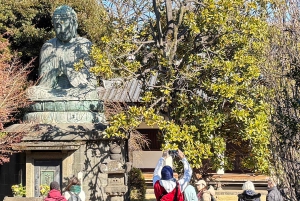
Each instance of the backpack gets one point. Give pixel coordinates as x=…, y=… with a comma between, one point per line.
x=172, y=196
x=74, y=197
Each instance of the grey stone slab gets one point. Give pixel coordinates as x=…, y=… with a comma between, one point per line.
x=23, y=199
x=59, y=132
x=46, y=146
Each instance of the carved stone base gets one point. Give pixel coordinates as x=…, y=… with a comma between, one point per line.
x=116, y=198
x=64, y=117
x=116, y=190
x=62, y=106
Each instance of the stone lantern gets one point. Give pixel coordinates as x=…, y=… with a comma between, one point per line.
x=115, y=170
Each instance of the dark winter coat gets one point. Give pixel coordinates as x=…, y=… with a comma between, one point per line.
x=249, y=195
x=274, y=194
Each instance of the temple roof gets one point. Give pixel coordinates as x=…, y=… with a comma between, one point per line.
x=120, y=90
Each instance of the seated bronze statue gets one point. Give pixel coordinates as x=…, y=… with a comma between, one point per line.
x=63, y=94
x=58, y=78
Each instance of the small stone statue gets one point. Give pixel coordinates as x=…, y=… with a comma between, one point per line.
x=57, y=58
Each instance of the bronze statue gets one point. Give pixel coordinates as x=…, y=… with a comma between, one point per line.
x=58, y=55
x=63, y=94
x=58, y=78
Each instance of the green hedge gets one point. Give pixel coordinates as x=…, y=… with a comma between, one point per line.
x=137, y=185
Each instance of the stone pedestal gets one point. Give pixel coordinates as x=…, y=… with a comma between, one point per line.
x=67, y=129
x=23, y=199
x=116, y=187
x=115, y=170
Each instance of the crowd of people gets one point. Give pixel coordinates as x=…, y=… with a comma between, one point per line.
x=167, y=188
x=73, y=191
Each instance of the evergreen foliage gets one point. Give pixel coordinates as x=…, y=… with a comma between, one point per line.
x=206, y=58
x=137, y=184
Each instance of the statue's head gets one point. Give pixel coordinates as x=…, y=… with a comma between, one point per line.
x=65, y=24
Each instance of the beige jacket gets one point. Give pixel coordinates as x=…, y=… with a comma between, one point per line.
x=206, y=195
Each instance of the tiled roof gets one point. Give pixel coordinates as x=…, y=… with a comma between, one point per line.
x=118, y=90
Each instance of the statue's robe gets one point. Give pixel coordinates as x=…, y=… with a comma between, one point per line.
x=57, y=61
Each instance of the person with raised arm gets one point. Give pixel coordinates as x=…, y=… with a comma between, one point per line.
x=166, y=187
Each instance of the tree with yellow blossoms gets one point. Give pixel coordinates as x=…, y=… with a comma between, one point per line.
x=198, y=63
x=206, y=59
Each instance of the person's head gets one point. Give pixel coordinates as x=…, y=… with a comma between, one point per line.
x=65, y=24
x=271, y=183
x=72, y=181
x=248, y=185
x=54, y=185
x=201, y=184
x=166, y=173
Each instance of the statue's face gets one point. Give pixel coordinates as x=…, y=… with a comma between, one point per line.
x=64, y=28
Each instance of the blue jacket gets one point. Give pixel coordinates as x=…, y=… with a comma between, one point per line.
x=190, y=193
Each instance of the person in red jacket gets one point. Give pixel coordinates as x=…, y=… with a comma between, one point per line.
x=54, y=193
x=166, y=188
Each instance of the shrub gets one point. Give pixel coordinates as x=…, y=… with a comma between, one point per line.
x=18, y=190
x=137, y=184
x=44, y=189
